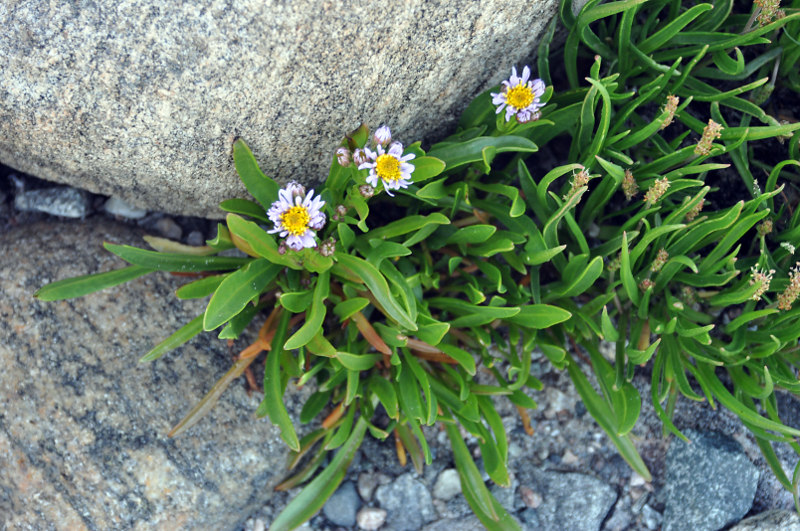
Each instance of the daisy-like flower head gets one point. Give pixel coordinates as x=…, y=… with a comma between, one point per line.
x=296, y=216
x=391, y=167
x=520, y=96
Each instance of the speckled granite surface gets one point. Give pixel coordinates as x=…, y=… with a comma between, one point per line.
x=141, y=99
x=83, y=424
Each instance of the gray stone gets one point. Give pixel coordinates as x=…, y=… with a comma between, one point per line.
x=61, y=201
x=371, y=518
x=142, y=100
x=776, y=519
x=651, y=518
x=342, y=506
x=167, y=227
x=710, y=482
x=569, y=501
x=195, y=238
x=447, y=485
x=83, y=425
x=117, y=207
x=407, y=502
x=468, y=523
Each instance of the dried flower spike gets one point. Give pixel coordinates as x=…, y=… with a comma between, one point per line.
x=770, y=9
x=629, y=186
x=671, y=106
x=661, y=259
x=579, y=180
x=710, y=132
x=520, y=96
x=764, y=227
x=656, y=191
x=761, y=279
x=695, y=210
x=792, y=291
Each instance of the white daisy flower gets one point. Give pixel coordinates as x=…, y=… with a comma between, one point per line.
x=520, y=96
x=297, y=216
x=390, y=166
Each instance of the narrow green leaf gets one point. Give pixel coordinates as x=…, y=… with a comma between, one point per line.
x=357, y=362
x=200, y=288
x=272, y=404
x=238, y=289
x=79, y=286
x=314, y=316
x=261, y=187
x=181, y=336
x=246, y=207
x=315, y=494
x=173, y=262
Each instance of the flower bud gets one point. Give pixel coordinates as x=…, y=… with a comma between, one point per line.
x=296, y=189
x=629, y=186
x=656, y=191
x=366, y=190
x=328, y=247
x=382, y=135
x=359, y=157
x=343, y=156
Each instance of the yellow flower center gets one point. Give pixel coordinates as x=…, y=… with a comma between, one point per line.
x=520, y=96
x=388, y=168
x=295, y=220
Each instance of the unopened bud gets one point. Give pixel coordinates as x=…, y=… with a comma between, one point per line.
x=282, y=247
x=328, y=247
x=296, y=189
x=366, y=190
x=343, y=156
x=764, y=227
x=359, y=157
x=382, y=135
x=646, y=284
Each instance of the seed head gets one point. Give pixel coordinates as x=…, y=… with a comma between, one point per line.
x=579, y=180
x=656, y=191
x=661, y=259
x=770, y=9
x=629, y=186
x=695, y=211
x=328, y=247
x=671, y=106
x=764, y=227
x=710, y=132
x=761, y=279
x=792, y=291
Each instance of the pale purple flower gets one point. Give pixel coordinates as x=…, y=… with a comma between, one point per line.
x=391, y=167
x=520, y=96
x=296, y=217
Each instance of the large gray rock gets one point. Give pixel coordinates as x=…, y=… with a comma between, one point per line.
x=774, y=520
x=408, y=503
x=142, y=100
x=710, y=482
x=578, y=502
x=83, y=425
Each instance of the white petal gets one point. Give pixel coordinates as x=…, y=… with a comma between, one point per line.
x=308, y=239
x=538, y=86
x=497, y=99
x=407, y=157
x=366, y=165
x=526, y=74
x=513, y=80
x=500, y=108
x=372, y=179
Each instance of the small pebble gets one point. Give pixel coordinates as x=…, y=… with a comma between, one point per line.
x=448, y=484
x=530, y=497
x=117, y=207
x=195, y=238
x=367, y=483
x=569, y=458
x=169, y=229
x=636, y=480
x=341, y=507
x=371, y=518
